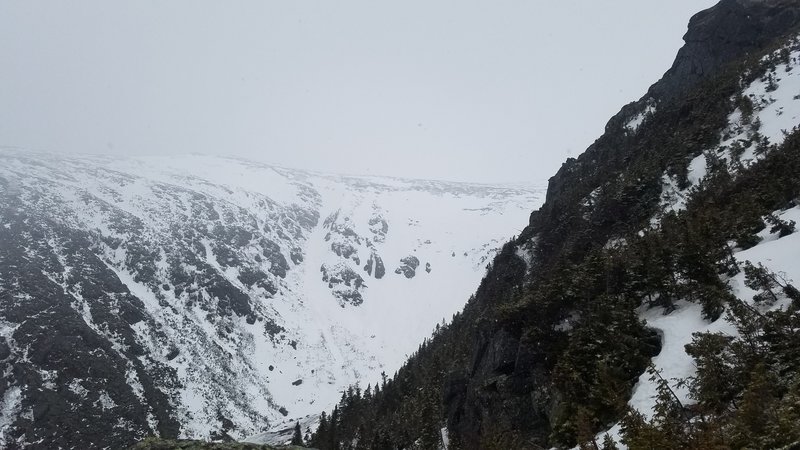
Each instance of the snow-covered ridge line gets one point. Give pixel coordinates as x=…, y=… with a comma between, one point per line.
x=289, y=172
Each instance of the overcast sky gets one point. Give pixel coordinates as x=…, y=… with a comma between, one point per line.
x=460, y=90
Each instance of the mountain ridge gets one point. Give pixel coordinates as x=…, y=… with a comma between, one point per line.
x=220, y=296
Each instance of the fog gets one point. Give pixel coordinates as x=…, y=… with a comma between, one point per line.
x=458, y=90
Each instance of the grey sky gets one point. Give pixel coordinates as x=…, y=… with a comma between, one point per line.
x=461, y=90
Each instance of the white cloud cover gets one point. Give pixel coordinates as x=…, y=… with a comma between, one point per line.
x=463, y=90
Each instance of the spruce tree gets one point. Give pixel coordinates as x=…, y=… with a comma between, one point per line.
x=297, y=437
x=759, y=279
x=780, y=226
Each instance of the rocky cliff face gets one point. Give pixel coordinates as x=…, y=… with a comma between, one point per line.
x=725, y=33
x=508, y=386
x=716, y=38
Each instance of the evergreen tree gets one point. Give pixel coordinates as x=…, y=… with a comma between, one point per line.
x=609, y=443
x=759, y=279
x=297, y=437
x=716, y=382
x=780, y=226
x=320, y=438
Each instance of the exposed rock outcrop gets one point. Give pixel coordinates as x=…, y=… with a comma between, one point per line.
x=408, y=266
x=724, y=33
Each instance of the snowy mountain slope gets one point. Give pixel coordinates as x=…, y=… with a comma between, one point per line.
x=678, y=327
x=203, y=297
x=769, y=110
